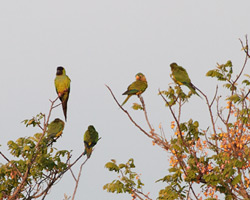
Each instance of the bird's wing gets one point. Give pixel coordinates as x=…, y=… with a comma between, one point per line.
x=181, y=75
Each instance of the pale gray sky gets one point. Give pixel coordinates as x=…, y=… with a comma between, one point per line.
x=107, y=42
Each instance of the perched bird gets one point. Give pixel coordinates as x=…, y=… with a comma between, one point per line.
x=62, y=84
x=180, y=76
x=55, y=129
x=137, y=87
x=90, y=139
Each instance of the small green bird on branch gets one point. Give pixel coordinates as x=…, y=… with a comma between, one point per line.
x=137, y=87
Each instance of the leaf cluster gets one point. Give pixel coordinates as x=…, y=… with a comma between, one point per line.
x=223, y=72
x=174, y=94
x=32, y=156
x=128, y=182
x=215, y=159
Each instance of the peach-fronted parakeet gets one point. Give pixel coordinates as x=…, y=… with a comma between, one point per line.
x=55, y=129
x=180, y=76
x=137, y=87
x=90, y=139
x=62, y=84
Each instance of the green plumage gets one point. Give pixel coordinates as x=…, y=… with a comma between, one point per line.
x=55, y=129
x=90, y=139
x=180, y=76
x=137, y=87
x=62, y=84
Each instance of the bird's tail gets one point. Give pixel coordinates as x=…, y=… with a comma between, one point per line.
x=193, y=89
x=64, y=106
x=126, y=99
x=88, y=151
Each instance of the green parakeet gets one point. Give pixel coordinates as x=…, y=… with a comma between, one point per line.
x=137, y=87
x=180, y=76
x=55, y=129
x=62, y=84
x=90, y=139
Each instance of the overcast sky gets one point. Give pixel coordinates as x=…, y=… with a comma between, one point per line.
x=107, y=42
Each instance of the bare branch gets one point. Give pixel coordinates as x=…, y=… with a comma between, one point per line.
x=131, y=119
x=73, y=174
x=78, y=179
x=139, y=192
x=245, y=48
x=172, y=112
x=211, y=114
x=137, y=196
x=146, y=115
x=215, y=95
x=45, y=192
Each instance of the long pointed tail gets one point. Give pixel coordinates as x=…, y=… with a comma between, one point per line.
x=126, y=99
x=64, y=106
x=192, y=88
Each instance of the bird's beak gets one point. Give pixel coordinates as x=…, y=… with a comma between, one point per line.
x=59, y=72
x=137, y=77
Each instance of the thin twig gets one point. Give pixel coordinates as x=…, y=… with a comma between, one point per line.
x=78, y=179
x=179, y=113
x=246, y=95
x=219, y=113
x=45, y=192
x=146, y=115
x=146, y=196
x=4, y=157
x=188, y=191
x=172, y=112
x=245, y=62
x=40, y=126
x=211, y=116
x=245, y=48
x=215, y=95
x=57, y=105
x=73, y=174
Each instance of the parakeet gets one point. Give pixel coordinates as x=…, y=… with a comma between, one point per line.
x=62, y=84
x=180, y=76
x=55, y=129
x=137, y=87
x=90, y=139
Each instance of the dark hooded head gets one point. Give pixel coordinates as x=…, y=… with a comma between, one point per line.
x=60, y=71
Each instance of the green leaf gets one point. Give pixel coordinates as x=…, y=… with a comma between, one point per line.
x=215, y=73
x=112, y=166
x=116, y=186
x=228, y=85
x=122, y=166
x=173, y=169
x=246, y=82
x=26, y=148
x=234, y=98
x=236, y=180
x=137, y=106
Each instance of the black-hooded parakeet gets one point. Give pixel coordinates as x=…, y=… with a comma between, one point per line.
x=62, y=84
x=90, y=139
x=55, y=129
x=180, y=76
x=137, y=87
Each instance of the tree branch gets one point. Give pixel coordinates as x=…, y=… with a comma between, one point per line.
x=78, y=179
x=131, y=119
x=32, y=160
